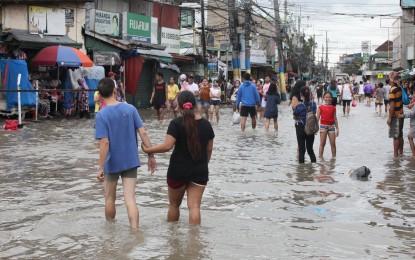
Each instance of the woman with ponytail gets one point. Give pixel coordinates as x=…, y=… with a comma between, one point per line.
x=305, y=142
x=192, y=139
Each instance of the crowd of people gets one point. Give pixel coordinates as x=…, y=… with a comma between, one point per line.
x=191, y=135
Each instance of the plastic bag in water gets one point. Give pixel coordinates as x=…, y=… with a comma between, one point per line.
x=236, y=118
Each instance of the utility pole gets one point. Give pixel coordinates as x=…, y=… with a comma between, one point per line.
x=327, y=56
x=278, y=42
x=248, y=7
x=299, y=22
x=205, y=69
x=323, y=72
x=285, y=12
x=233, y=37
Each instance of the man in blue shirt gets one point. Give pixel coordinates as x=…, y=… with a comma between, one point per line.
x=116, y=129
x=247, y=101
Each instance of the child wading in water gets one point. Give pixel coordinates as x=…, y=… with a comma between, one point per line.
x=192, y=139
x=326, y=113
x=271, y=107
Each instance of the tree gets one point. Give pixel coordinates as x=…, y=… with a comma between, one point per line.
x=302, y=53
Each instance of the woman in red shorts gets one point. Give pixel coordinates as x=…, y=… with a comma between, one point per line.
x=192, y=139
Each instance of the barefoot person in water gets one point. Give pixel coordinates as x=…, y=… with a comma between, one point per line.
x=329, y=126
x=116, y=129
x=192, y=139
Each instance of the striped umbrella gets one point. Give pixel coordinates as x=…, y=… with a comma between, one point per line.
x=62, y=56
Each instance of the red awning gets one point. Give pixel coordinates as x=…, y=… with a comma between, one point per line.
x=182, y=58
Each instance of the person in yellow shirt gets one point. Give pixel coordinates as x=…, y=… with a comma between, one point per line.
x=97, y=99
x=173, y=90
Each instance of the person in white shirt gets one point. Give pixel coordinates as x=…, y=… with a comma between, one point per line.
x=361, y=92
x=192, y=86
x=346, y=95
x=214, y=94
x=182, y=82
x=387, y=89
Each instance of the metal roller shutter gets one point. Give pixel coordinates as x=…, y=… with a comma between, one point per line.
x=167, y=73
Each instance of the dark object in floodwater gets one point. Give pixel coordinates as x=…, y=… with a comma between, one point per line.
x=361, y=173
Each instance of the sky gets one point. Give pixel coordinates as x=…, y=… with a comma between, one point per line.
x=345, y=32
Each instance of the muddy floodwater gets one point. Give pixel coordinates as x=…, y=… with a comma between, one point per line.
x=259, y=203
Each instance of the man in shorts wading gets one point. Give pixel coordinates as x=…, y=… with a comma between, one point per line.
x=116, y=129
x=395, y=123
x=247, y=101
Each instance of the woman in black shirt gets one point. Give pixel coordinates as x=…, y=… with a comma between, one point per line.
x=192, y=139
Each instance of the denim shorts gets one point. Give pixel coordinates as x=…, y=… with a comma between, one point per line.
x=130, y=173
x=327, y=128
x=203, y=103
x=215, y=102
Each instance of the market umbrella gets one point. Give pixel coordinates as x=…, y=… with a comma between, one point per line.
x=61, y=56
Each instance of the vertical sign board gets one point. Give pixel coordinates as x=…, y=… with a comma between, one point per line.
x=48, y=21
x=171, y=39
x=154, y=30
x=138, y=27
x=107, y=23
x=365, y=50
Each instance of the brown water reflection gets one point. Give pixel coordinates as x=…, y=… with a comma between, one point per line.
x=259, y=204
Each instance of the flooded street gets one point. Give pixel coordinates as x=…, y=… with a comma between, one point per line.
x=259, y=203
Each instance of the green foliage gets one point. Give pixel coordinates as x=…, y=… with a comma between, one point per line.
x=302, y=55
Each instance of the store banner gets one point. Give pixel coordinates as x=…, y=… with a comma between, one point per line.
x=138, y=27
x=47, y=21
x=171, y=39
x=107, y=23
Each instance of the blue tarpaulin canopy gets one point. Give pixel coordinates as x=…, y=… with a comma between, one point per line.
x=10, y=69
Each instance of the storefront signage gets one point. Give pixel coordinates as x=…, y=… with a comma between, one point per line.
x=138, y=27
x=258, y=56
x=213, y=65
x=106, y=58
x=107, y=23
x=171, y=39
x=365, y=50
x=48, y=21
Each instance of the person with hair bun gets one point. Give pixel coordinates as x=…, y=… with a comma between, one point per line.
x=192, y=139
x=305, y=142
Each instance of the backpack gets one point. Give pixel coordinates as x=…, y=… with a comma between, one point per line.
x=405, y=98
x=311, y=126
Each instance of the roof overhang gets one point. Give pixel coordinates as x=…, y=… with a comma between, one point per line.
x=182, y=58
x=155, y=54
x=124, y=44
x=24, y=39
